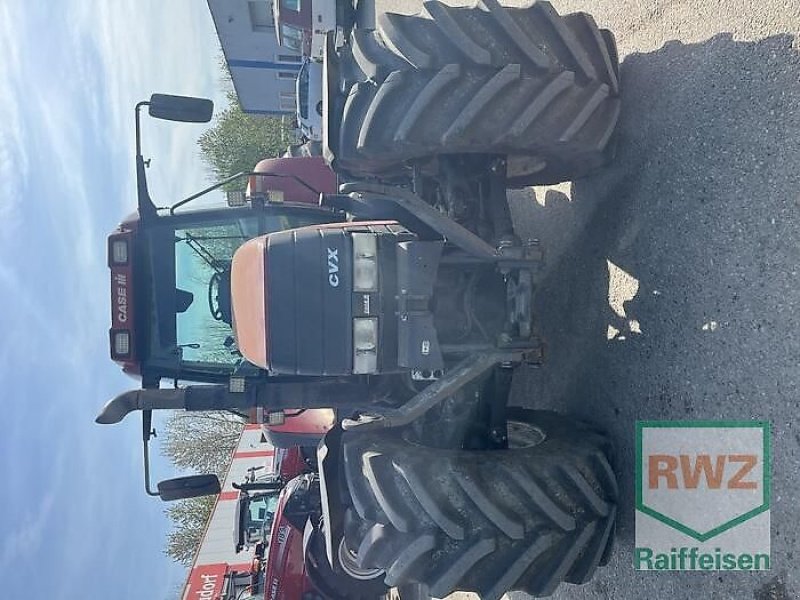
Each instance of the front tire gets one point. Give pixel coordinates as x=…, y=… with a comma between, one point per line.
x=527, y=518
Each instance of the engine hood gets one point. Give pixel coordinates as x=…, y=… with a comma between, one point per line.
x=292, y=296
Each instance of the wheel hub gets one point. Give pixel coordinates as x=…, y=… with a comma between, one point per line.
x=349, y=562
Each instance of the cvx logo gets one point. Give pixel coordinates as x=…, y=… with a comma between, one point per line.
x=333, y=267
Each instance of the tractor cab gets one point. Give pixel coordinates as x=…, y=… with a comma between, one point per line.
x=171, y=290
x=171, y=310
x=171, y=315
x=255, y=512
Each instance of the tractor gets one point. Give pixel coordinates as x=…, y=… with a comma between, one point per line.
x=278, y=514
x=408, y=306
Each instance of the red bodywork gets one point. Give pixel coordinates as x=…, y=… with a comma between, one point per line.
x=312, y=423
x=299, y=180
x=285, y=573
x=288, y=462
x=282, y=174
x=123, y=307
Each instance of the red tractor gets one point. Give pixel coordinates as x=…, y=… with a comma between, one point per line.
x=278, y=514
x=409, y=308
x=170, y=273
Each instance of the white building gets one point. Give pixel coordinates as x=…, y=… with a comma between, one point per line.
x=263, y=72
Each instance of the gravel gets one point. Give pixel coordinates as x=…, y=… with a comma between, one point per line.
x=696, y=226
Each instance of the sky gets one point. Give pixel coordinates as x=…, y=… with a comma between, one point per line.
x=74, y=520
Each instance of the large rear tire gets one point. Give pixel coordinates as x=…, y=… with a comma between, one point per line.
x=535, y=37
x=527, y=518
x=551, y=128
x=541, y=89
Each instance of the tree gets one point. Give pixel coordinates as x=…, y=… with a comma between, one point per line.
x=189, y=518
x=237, y=141
x=201, y=442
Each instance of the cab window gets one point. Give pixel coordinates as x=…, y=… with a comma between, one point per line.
x=203, y=314
x=261, y=512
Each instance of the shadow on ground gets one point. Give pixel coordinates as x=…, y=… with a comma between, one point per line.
x=702, y=209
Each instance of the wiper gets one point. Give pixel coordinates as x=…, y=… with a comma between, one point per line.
x=201, y=251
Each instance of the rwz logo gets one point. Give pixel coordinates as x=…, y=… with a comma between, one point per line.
x=702, y=495
x=693, y=469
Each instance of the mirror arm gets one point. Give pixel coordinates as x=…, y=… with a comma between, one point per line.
x=138, y=126
x=147, y=416
x=147, y=472
x=145, y=204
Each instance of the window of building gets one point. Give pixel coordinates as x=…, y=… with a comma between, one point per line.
x=287, y=75
x=260, y=16
x=291, y=37
x=289, y=58
x=291, y=4
x=287, y=101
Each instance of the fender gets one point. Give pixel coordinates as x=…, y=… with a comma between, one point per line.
x=308, y=531
x=330, y=461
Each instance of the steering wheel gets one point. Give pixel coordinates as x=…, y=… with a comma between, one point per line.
x=214, y=303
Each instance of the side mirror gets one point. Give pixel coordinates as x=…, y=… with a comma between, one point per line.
x=188, y=487
x=181, y=108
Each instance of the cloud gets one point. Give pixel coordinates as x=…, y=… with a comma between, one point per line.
x=151, y=46
x=14, y=163
x=71, y=73
x=66, y=143
x=26, y=539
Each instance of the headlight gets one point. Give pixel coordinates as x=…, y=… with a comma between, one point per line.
x=236, y=385
x=236, y=198
x=365, y=346
x=365, y=262
x=119, y=252
x=120, y=343
x=276, y=417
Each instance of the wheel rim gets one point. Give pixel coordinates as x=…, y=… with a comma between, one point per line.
x=524, y=435
x=349, y=562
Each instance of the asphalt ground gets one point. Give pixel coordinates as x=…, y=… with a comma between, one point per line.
x=671, y=289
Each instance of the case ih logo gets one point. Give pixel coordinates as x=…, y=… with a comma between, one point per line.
x=702, y=495
x=121, y=283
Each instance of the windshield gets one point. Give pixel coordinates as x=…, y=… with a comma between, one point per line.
x=190, y=333
x=203, y=257
x=260, y=514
